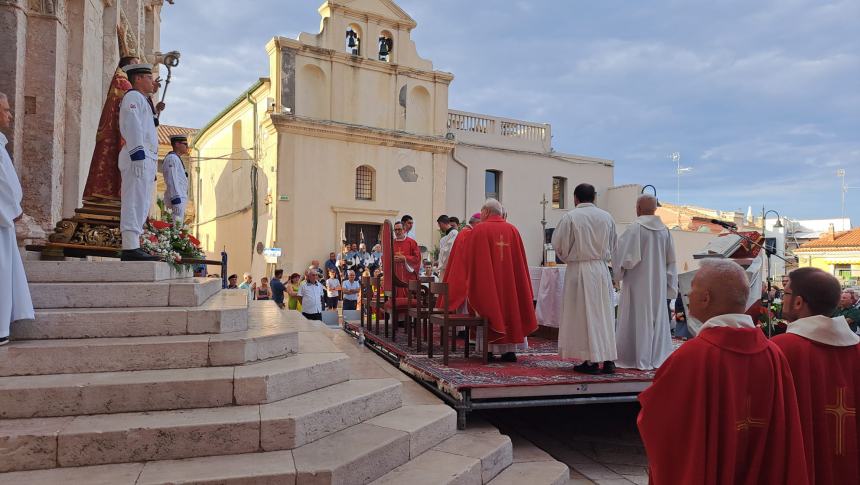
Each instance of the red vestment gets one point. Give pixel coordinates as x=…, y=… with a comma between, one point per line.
x=499, y=286
x=827, y=380
x=103, y=181
x=722, y=410
x=456, y=273
x=409, y=249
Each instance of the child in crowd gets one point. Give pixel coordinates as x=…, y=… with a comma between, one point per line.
x=332, y=291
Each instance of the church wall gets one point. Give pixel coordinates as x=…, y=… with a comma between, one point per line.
x=318, y=176
x=525, y=178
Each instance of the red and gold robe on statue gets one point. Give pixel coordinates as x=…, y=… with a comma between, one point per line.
x=406, y=270
x=824, y=356
x=456, y=273
x=499, y=286
x=103, y=181
x=722, y=410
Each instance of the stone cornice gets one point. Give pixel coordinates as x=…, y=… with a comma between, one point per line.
x=405, y=22
x=365, y=211
x=360, y=134
x=354, y=61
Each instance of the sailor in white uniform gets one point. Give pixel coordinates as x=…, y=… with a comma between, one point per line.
x=138, y=159
x=176, y=178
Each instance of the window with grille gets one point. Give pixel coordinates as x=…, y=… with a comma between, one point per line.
x=559, y=192
x=364, y=183
x=493, y=185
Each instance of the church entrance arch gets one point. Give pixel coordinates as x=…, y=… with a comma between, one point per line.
x=358, y=232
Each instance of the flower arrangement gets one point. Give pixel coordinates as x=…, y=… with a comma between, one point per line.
x=170, y=241
x=777, y=325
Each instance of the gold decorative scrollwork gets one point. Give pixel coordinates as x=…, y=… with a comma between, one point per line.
x=97, y=235
x=64, y=231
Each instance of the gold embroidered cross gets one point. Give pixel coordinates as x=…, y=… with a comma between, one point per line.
x=840, y=411
x=501, y=245
x=748, y=421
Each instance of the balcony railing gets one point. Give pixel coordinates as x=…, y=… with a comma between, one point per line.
x=513, y=130
x=466, y=122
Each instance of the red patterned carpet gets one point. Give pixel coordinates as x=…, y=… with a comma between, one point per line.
x=539, y=366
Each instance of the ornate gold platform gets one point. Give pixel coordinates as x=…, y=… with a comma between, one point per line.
x=92, y=231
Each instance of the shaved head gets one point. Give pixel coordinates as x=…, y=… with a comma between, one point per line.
x=720, y=287
x=646, y=205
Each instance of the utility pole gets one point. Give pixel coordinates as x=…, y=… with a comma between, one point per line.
x=841, y=174
x=679, y=170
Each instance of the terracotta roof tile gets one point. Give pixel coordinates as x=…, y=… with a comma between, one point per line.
x=166, y=131
x=842, y=239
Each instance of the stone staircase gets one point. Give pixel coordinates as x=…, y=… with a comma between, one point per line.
x=134, y=374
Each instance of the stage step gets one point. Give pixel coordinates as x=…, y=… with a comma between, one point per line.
x=534, y=473
x=159, y=390
x=226, y=311
x=186, y=292
x=168, y=435
x=435, y=468
x=39, y=357
x=101, y=271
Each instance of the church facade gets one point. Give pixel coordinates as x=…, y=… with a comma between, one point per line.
x=350, y=127
x=58, y=58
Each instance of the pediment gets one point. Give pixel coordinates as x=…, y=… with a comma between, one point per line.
x=383, y=8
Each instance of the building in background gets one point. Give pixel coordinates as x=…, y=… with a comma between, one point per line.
x=837, y=252
x=351, y=127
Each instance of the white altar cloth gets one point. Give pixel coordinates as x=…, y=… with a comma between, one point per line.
x=548, y=289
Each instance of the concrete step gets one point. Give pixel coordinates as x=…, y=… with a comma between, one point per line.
x=159, y=390
x=276, y=467
x=186, y=292
x=464, y=458
x=226, y=311
x=534, y=473
x=40, y=357
x=367, y=451
x=101, y=271
x=308, y=417
x=169, y=435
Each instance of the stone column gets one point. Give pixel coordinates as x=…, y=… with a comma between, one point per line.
x=110, y=43
x=44, y=112
x=13, y=38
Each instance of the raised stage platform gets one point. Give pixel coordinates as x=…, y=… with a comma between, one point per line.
x=538, y=378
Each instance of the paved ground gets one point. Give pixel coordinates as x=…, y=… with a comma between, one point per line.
x=598, y=442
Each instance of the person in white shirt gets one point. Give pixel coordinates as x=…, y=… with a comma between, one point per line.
x=351, y=288
x=332, y=285
x=409, y=227
x=446, y=243
x=15, y=302
x=310, y=296
x=176, y=179
x=137, y=159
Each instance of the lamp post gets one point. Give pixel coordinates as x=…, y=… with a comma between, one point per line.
x=768, y=253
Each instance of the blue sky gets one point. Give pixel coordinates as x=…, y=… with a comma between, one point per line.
x=761, y=98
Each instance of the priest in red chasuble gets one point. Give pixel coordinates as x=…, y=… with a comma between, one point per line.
x=824, y=355
x=407, y=258
x=456, y=275
x=722, y=408
x=500, y=288
x=103, y=181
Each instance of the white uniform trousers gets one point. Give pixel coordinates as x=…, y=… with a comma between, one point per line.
x=136, y=200
x=178, y=212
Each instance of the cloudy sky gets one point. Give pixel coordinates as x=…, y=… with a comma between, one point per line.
x=761, y=98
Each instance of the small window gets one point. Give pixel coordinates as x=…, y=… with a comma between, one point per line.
x=364, y=183
x=493, y=185
x=386, y=46
x=559, y=192
x=353, y=40
x=236, y=153
x=842, y=271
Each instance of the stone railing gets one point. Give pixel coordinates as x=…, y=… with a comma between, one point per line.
x=500, y=132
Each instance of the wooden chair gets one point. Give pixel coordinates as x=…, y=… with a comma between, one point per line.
x=449, y=322
x=366, y=297
x=419, y=313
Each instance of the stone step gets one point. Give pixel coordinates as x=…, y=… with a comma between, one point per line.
x=39, y=357
x=226, y=311
x=465, y=458
x=101, y=271
x=187, y=292
x=159, y=390
x=367, y=451
x=534, y=473
x=169, y=435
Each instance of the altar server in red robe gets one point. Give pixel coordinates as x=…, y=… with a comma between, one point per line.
x=500, y=288
x=726, y=398
x=824, y=355
x=407, y=258
x=456, y=272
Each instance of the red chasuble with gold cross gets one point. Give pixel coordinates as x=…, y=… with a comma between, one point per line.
x=408, y=249
x=722, y=410
x=827, y=380
x=499, y=284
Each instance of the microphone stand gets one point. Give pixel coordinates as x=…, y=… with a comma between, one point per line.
x=768, y=253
